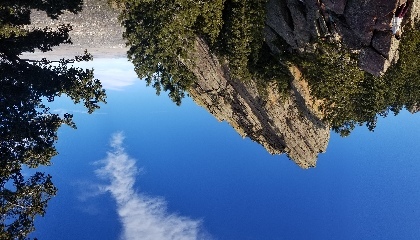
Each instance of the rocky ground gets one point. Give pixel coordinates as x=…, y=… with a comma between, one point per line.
x=96, y=28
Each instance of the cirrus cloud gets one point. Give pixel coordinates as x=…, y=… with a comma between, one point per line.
x=142, y=217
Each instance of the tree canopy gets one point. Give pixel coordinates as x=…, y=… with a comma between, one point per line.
x=353, y=97
x=28, y=130
x=22, y=202
x=161, y=34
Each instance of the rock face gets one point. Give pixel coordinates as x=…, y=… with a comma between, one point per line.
x=289, y=126
x=362, y=25
x=282, y=126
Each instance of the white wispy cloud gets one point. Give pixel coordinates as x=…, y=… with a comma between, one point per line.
x=115, y=74
x=142, y=217
x=62, y=111
x=116, y=79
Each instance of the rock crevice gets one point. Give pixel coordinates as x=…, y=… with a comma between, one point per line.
x=363, y=26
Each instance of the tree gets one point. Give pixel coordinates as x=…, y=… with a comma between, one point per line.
x=161, y=35
x=23, y=202
x=334, y=77
x=352, y=97
x=241, y=37
x=28, y=130
x=18, y=11
x=404, y=77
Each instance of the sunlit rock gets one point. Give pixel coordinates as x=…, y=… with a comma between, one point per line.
x=290, y=126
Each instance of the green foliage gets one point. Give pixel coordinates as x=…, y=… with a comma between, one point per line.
x=17, y=11
x=241, y=38
x=17, y=42
x=352, y=97
x=267, y=69
x=209, y=22
x=334, y=77
x=28, y=130
x=20, y=204
x=403, y=79
x=8, y=31
x=161, y=35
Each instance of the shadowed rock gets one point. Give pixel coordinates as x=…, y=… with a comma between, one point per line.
x=361, y=25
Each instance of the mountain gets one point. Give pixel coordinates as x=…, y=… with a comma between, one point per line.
x=363, y=26
x=282, y=124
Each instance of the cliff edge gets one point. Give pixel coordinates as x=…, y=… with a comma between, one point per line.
x=290, y=126
x=363, y=26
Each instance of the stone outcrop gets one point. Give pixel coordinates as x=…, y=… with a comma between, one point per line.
x=290, y=126
x=362, y=25
x=282, y=126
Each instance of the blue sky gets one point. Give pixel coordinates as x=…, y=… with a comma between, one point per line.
x=141, y=167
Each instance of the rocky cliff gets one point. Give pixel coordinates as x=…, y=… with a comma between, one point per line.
x=282, y=126
x=289, y=126
x=362, y=25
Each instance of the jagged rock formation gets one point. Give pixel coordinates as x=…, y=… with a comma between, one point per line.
x=363, y=26
x=289, y=126
x=282, y=126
